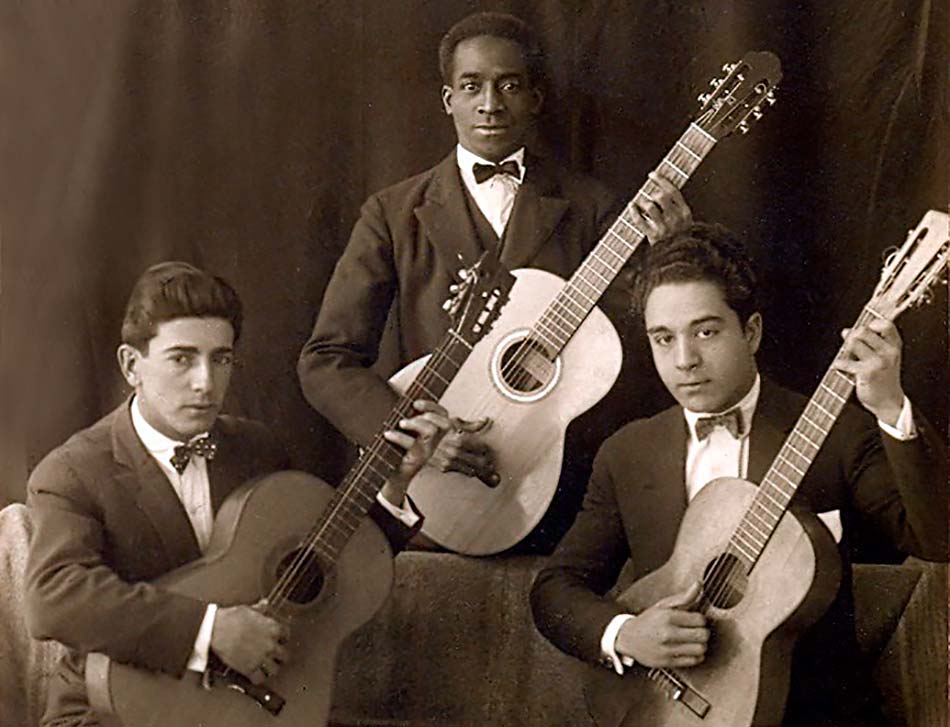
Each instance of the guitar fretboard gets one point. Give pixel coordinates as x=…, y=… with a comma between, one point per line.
x=575, y=300
x=379, y=461
x=792, y=462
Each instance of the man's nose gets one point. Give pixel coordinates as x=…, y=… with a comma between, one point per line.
x=686, y=355
x=201, y=376
x=492, y=101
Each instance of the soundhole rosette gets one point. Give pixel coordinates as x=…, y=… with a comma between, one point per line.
x=523, y=369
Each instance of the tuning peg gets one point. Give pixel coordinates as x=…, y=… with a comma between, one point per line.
x=743, y=127
x=756, y=113
x=447, y=305
x=464, y=275
x=770, y=98
x=703, y=98
x=727, y=67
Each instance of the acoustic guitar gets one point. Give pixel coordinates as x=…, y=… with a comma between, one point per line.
x=307, y=549
x=767, y=572
x=554, y=354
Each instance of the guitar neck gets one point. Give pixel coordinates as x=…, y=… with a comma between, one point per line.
x=575, y=301
x=793, y=460
x=381, y=459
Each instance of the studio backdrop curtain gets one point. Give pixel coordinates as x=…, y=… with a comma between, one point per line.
x=243, y=136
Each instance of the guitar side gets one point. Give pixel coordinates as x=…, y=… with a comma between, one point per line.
x=744, y=677
x=256, y=527
x=527, y=429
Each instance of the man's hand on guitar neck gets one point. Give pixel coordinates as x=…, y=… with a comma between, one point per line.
x=661, y=212
x=249, y=642
x=419, y=436
x=667, y=634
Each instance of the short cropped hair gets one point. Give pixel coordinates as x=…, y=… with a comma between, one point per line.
x=171, y=290
x=496, y=25
x=701, y=252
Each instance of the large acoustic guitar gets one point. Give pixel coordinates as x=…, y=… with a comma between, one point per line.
x=767, y=572
x=309, y=551
x=554, y=354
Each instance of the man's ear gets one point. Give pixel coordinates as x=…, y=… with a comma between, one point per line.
x=447, y=100
x=753, y=331
x=538, y=100
x=128, y=357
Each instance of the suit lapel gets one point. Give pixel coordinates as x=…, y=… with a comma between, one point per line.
x=667, y=485
x=154, y=494
x=774, y=418
x=226, y=471
x=444, y=217
x=538, y=209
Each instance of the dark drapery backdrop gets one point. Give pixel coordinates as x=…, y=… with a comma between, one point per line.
x=244, y=135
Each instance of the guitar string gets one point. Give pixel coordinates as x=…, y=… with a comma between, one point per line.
x=306, y=555
x=722, y=582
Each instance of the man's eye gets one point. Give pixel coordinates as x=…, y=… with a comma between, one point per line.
x=470, y=86
x=706, y=332
x=181, y=359
x=224, y=359
x=511, y=87
x=662, y=340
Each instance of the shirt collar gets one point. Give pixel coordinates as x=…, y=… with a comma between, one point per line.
x=155, y=442
x=467, y=160
x=746, y=405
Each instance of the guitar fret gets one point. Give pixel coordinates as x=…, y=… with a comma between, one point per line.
x=694, y=127
x=742, y=548
x=622, y=258
x=764, y=520
x=808, y=439
x=590, y=300
x=823, y=410
x=630, y=224
x=790, y=464
x=557, y=325
x=747, y=523
x=542, y=328
x=689, y=151
x=669, y=163
x=594, y=271
x=797, y=451
x=778, y=472
x=459, y=339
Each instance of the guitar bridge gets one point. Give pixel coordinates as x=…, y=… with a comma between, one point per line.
x=681, y=692
x=267, y=699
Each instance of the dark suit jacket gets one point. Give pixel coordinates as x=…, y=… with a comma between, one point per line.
x=637, y=496
x=107, y=521
x=410, y=241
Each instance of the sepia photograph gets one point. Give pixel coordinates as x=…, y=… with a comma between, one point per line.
x=469, y=363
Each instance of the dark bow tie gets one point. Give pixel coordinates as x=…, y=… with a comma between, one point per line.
x=484, y=172
x=731, y=420
x=203, y=447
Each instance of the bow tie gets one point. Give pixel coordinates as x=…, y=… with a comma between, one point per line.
x=203, y=447
x=731, y=420
x=484, y=172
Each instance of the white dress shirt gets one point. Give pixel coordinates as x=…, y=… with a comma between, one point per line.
x=722, y=455
x=495, y=196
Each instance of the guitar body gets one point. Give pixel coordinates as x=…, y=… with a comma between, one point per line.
x=744, y=677
x=256, y=528
x=528, y=413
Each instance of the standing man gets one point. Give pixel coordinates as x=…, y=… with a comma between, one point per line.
x=133, y=497
x=881, y=471
x=412, y=238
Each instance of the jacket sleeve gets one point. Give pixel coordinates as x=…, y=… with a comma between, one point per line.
x=900, y=488
x=334, y=365
x=75, y=597
x=567, y=599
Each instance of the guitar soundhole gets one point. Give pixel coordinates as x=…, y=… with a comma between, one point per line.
x=304, y=576
x=724, y=581
x=527, y=366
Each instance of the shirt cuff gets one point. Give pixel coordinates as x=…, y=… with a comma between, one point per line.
x=405, y=514
x=199, y=655
x=904, y=429
x=608, y=644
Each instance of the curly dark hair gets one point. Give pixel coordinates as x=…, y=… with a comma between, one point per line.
x=496, y=25
x=171, y=290
x=701, y=252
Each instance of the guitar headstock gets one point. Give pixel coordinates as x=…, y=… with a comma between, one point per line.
x=477, y=300
x=913, y=269
x=736, y=99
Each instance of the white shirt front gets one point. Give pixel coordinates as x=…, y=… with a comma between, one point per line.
x=495, y=196
x=194, y=491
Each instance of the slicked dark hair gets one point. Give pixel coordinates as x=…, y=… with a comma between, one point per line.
x=496, y=25
x=171, y=290
x=701, y=252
